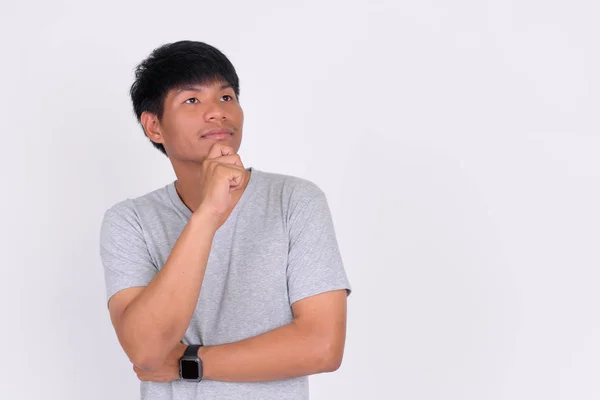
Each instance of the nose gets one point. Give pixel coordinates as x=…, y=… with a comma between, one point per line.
x=214, y=112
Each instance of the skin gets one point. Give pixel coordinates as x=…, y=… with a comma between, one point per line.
x=312, y=343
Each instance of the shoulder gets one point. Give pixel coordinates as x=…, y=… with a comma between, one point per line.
x=126, y=213
x=290, y=188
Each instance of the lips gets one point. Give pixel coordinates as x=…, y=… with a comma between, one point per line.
x=216, y=136
x=217, y=133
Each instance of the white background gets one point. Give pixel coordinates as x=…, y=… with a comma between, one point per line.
x=458, y=144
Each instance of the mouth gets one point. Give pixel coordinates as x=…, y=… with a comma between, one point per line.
x=217, y=134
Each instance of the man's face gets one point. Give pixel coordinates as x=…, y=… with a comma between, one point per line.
x=192, y=113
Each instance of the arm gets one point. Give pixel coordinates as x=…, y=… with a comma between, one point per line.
x=312, y=343
x=150, y=321
x=152, y=315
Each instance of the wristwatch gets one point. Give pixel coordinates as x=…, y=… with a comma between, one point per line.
x=190, y=365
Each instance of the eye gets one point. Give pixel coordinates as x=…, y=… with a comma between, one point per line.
x=193, y=101
x=227, y=98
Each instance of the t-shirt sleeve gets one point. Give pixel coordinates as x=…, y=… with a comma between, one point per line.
x=314, y=261
x=123, y=251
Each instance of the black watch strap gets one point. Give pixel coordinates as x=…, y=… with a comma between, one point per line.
x=192, y=351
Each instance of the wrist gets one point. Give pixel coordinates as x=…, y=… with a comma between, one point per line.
x=190, y=366
x=206, y=371
x=205, y=220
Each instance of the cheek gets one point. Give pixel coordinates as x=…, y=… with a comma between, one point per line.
x=177, y=137
x=183, y=129
x=238, y=115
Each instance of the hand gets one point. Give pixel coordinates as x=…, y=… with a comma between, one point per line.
x=222, y=173
x=170, y=369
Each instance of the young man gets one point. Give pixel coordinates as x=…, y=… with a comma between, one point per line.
x=228, y=282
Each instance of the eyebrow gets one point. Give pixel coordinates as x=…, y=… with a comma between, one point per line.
x=196, y=88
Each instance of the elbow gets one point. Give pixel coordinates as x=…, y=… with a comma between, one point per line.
x=147, y=361
x=148, y=353
x=333, y=363
x=330, y=358
x=148, y=356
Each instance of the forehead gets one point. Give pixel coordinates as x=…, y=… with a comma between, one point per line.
x=200, y=87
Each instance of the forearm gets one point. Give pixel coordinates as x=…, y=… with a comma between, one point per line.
x=158, y=318
x=286, y=352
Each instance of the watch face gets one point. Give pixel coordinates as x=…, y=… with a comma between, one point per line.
x=189, y=369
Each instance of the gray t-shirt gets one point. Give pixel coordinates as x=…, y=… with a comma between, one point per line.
x=277, y=246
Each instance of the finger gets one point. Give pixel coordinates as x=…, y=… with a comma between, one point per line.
x=233, y=159
x=228, y=169
x=236, y=177
x=218, y=150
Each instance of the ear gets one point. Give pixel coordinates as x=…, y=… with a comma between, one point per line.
x=151, y=126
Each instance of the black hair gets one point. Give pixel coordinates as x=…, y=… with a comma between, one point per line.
x=175, y=65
